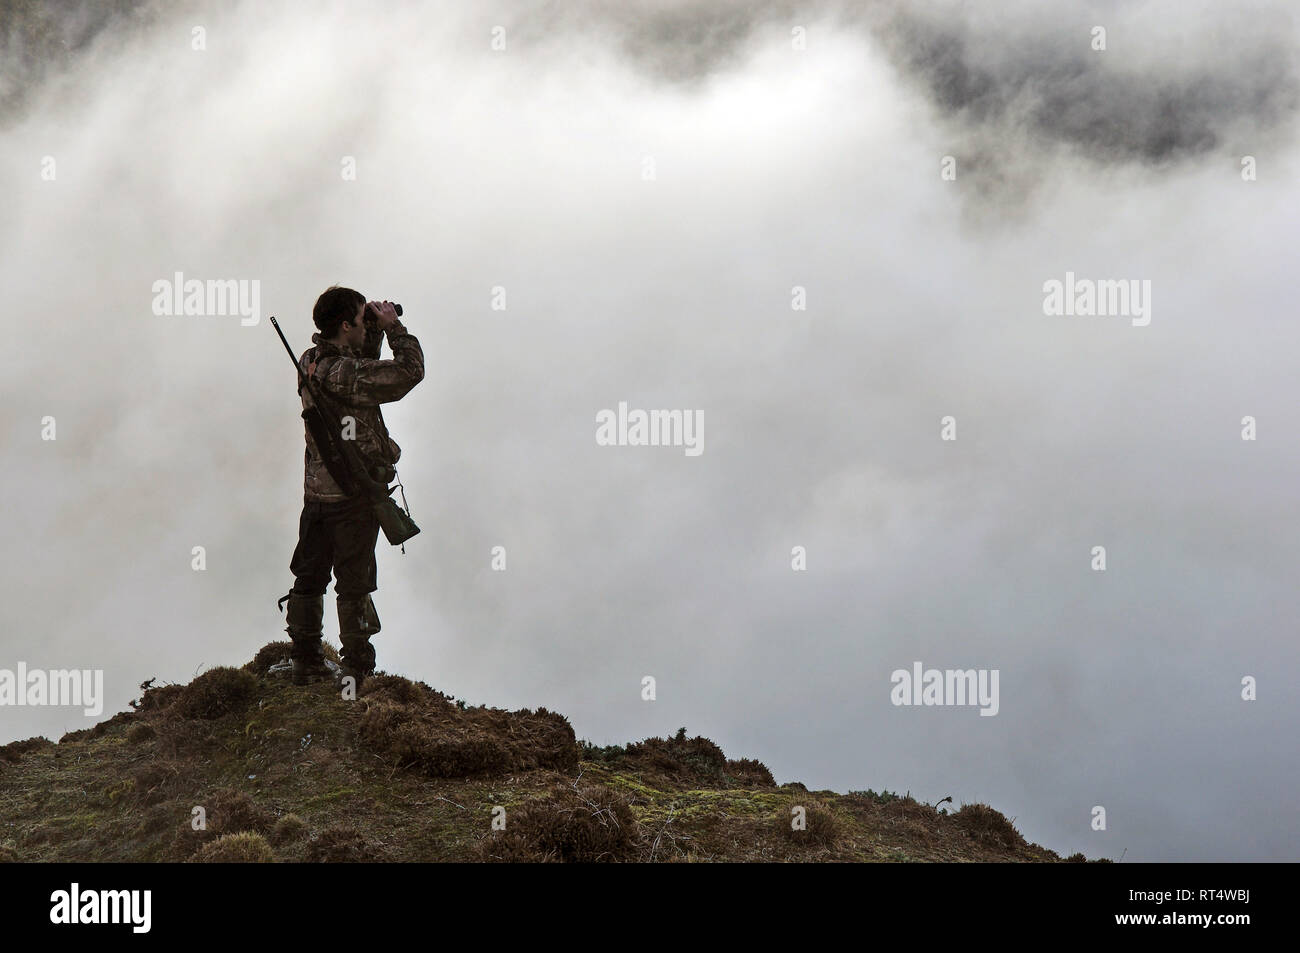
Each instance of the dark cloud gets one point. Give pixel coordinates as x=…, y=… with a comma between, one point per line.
x=996, y=70
x=39, y=39
x=686, y=42
x=1152, y=96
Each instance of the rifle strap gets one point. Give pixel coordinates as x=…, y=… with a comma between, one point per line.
x=321, y=426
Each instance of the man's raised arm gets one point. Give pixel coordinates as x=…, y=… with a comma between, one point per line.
x=369, y=381
x=374, y=337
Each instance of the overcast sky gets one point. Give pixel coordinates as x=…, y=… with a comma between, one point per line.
x=791, y=145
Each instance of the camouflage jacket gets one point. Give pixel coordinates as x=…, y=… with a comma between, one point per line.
x=358, y=384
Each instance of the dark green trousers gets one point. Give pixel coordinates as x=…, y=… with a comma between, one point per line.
x=339, y=538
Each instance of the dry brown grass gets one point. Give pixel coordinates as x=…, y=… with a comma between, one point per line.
x=13, y=752
x=143, y=731
x=987, y=826
x=821, y=828
x=288, y=829
x=217, y=692
x=341, y=844
x=241, y=848
x=422, y=730
x=574, y=823
x=687, y=762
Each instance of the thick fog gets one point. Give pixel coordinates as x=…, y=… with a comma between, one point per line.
x=583, y=204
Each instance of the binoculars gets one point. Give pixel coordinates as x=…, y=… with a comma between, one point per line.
x=370, y=315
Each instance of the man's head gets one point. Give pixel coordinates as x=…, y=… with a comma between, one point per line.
x=339, y=315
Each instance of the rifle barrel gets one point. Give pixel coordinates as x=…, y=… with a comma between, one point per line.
x=285, y=341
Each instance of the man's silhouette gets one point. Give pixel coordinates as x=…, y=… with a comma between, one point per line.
x=337, y=532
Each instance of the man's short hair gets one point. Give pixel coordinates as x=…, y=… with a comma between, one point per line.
x=334, y=307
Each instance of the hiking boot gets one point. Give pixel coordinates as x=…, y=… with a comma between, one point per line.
x=306, y=671
x=357, y=622
x=307, y=657
x=343, y=673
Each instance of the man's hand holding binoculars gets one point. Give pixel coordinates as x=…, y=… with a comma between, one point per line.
x=382, y=314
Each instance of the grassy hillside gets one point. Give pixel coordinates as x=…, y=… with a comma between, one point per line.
x=405, y=773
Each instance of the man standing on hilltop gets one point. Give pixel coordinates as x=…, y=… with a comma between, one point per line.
x=336, y=531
